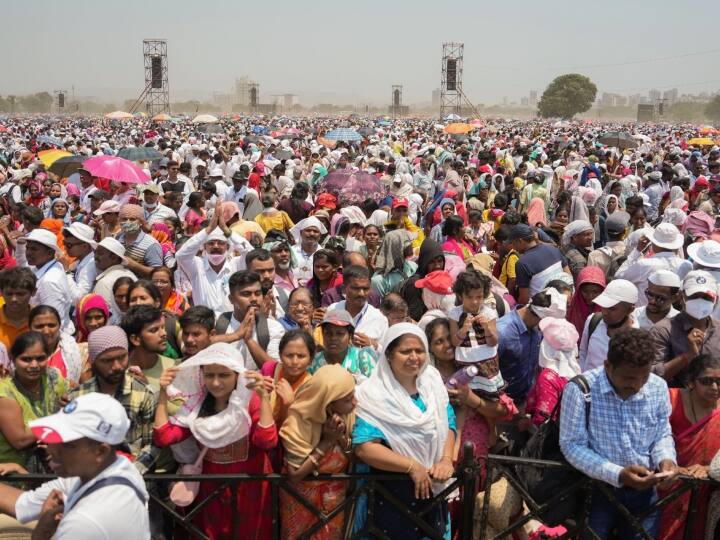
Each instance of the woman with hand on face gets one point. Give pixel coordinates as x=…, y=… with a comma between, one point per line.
x=316, y=439
x=227, y=411
x=297, y=349
x=64, y=352
x=405, y=425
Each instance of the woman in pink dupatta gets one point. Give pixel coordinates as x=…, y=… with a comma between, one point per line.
x=536, y=215
x=695, y=422
x=590, y=283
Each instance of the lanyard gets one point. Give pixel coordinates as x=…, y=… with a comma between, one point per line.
x=47, y=269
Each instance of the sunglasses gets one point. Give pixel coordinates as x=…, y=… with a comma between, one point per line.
x=657, y=297
x=708, y=381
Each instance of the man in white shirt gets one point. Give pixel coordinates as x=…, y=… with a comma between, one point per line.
x=662, y=290
x=87, y=187
x=218, y=179
x=239, y=188
x=210, y=274
x=259, y=336
x=275, y=301
x=618, y=303
x=38, y=250
x=99, y=494
x=307, y=234
x=155, y=212
x=370, y=324
x=666, y=239
x=79, y=244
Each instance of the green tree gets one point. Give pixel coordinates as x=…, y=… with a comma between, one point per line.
x=712, y=109
x=45, y=101
x=567, y=96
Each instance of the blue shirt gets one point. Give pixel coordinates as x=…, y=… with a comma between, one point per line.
x=635, y=431
x=518, y=353
x=535, y=260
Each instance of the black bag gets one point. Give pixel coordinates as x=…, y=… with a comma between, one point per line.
x=543, y=483
x=261, y=327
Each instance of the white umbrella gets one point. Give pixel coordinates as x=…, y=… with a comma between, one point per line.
x=205, y=119
x=118, y=115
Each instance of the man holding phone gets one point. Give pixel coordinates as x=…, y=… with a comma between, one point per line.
x=627, y=440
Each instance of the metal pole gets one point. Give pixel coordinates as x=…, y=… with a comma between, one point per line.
x=469, y=472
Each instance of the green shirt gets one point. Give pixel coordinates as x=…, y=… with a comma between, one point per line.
x=53, y=388
x=360, y=361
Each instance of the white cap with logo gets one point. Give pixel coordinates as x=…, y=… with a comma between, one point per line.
x=618, y=290
x=700, y=281
x=96, y=416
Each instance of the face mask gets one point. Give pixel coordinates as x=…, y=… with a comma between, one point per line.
x=699, y=308
x=130, y=227
x=163, y=172
x=148, y=206
x=216, y=258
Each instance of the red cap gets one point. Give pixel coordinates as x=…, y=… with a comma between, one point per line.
x=400, y=201
x=326, y=200
x=439, y=282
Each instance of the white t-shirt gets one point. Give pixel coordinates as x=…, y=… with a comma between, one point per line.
x=473, y=349
x=594, y=348
x=276, y=332
x=106, y=514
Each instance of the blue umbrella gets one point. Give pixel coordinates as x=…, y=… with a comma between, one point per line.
x=49, y=139
x=260, y=130
x=343, y=134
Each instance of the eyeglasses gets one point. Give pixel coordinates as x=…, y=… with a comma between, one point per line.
x=659, y=298
x=708, y=381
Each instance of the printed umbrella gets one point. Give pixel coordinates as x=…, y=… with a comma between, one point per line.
x=48, y=157
x=139, y=153
x=366, y=131
x=343, y=134
x=117, y=169
x=205, y=119
x=210, y=128
x=118, y=115
x=618, y=139
x=65, y=166
x=352, y=187
x=453, y=116
x=458, y=129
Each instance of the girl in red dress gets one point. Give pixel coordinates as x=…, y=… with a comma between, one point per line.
x=233, y=426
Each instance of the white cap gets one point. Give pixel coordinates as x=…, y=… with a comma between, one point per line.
x=113, y=246
x=665, y=278
x=699, y=281
x=44, y=237
x=215, y=172
x=108, y=207
x=82, y=232
x=96, y=416
x=666, y=235
x=618, y=290
x=217, y=234
x=706, y=253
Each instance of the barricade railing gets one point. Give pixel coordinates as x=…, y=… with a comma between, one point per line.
x=498, y=466
x=359, y=485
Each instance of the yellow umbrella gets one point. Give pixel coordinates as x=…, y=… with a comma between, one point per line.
x=48, y=157
x=161, y=117
x=701, y=141
x=458, y=128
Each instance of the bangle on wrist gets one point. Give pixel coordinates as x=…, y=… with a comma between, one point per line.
x=317, y=450
x=313, y=459
x=410, y=467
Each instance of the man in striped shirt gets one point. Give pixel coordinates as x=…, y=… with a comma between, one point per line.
x=142, y=251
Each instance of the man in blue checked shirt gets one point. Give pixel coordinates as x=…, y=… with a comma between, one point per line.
x=628, y=442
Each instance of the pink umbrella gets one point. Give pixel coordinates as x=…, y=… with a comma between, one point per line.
x=116, y=169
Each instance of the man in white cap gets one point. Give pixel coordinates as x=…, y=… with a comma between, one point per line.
x=617, y=303
x=307, y=234
x=98, y=494
x=692, y=332
x=109, y=257
x=38, y=250
x=80, y=244
x=155, y=212
x=210, y=274
x=662, y=291
x=666, y=239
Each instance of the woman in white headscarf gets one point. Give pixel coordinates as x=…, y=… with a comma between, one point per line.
x=234, y=429
x=405, y=425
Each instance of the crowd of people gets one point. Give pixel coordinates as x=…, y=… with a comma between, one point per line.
x=274, y=297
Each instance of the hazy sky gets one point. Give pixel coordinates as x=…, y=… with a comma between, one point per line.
x=352, y=52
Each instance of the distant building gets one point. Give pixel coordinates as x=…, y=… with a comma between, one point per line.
x=654, y=95
x=239, y=97
x=436, y=98
x=533, y=100
x=671, y=96
x=524, y=102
